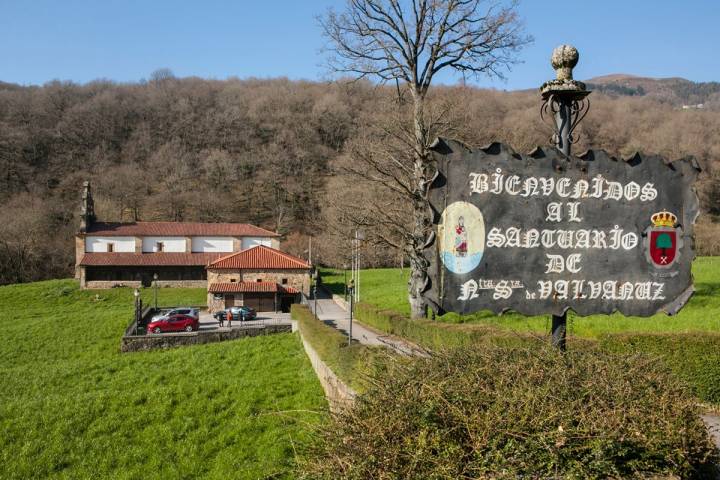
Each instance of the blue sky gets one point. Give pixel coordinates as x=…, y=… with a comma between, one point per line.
x=42, y=40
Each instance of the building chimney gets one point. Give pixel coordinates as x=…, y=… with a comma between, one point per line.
x=87, y=210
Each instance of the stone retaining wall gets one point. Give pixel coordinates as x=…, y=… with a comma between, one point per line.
x=341, y=302
x=338, y=394
x=132, y=343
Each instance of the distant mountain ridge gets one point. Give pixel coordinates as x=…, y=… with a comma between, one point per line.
x=674, y=90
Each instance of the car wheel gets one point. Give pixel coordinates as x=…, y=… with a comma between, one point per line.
x=157, y=330
x=189, y=328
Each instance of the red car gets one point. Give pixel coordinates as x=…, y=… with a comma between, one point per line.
x=174, y=323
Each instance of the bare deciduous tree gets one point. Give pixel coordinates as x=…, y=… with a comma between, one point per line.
x=411, y=42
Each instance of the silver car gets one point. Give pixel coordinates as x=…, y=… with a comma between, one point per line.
x=189, y=311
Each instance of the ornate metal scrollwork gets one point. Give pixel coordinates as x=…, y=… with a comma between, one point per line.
x=551, y=108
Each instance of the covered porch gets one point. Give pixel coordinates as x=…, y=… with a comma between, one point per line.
x=261, y=296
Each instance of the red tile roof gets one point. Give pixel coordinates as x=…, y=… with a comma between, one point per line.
x=178, y=228
x=165, y=259
x=245, y=287
x=260, y=257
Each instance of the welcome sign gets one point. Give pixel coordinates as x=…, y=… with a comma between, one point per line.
x=543, y=233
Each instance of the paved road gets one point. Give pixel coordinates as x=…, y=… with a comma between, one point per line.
x=713, y=423
x=332, y=314
x=207, y=322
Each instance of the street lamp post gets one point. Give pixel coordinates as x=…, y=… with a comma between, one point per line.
x=351, y=288
x=155, y=278
x=565, y=100
x=345, y=267
x=138, y=309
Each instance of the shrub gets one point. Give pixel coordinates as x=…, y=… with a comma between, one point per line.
x=434, y=335
x=694, y=357
x=350, y=363
x=501, y=412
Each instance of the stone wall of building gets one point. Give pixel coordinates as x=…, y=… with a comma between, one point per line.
x=222, y=276
x=79, y=253
x=216, y=304
x=298, y=279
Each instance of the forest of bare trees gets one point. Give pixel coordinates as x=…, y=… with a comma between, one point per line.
x=275, y=153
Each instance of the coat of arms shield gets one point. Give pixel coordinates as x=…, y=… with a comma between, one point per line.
x=662, y=240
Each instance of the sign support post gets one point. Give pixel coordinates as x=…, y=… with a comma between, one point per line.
x=566, y=100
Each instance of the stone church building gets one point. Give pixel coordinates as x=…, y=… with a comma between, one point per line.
x=189, y=254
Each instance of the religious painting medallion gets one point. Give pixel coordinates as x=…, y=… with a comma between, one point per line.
x=461, y=235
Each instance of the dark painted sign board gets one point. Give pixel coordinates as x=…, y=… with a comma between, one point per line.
x=543, y=233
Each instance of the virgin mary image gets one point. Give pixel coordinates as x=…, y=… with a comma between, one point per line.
x=461, y=246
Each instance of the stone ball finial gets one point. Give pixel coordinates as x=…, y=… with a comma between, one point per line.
x=564, y=58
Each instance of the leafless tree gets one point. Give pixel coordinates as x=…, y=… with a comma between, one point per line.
x=410, y=42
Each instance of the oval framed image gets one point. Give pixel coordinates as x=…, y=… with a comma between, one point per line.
x=461, y=235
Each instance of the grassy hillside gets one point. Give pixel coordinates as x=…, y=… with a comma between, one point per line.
x=71, y=405
x=387, y=288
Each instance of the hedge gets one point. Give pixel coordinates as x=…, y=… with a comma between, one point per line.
x=508, y=413
x=694, y=357
x=350, y=363
x=436, y=335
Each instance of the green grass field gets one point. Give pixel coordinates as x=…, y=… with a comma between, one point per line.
x=387, y=288
x=73, y=406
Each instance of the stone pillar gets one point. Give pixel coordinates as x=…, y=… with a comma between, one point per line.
x=237, y=244
x=79, y=253
x=138, y=245
x=81, y=276
x=188, y=244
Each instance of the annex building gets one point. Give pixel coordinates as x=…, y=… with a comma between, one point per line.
x=261, y=277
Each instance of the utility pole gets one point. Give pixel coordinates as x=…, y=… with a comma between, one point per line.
x=351, y=288
x=315, y=292
x=565, y=100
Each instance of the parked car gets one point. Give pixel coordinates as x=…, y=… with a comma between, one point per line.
x=189, y=311
x=249, y=313
x=174, y=323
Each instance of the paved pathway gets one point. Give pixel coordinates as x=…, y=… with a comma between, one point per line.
x=207, y=322
x=713, y=423
x=332, y=314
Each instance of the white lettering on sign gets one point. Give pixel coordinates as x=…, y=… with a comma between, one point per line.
x=502, y=289
x=614, y=239
x=598, y=187
x=565, y=289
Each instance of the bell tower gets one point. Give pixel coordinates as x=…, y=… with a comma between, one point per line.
x=87, y=210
